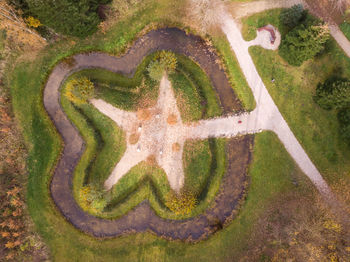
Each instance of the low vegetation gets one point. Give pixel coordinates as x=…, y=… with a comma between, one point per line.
x=162, y=62
x=181, y=203
x=74, y=18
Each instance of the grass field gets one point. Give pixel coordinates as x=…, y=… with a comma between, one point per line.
x=292, y=91
x=345, y=27
x=271, y=177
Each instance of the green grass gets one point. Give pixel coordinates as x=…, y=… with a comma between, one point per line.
x=345, y=27
x=252, y=23
x=270, y=176
x=194, y=92
x=292, y=91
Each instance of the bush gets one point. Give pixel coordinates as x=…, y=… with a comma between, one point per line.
x=92, y=199
x=79, y=90
x=333, y=93
x=344, y=122
x=70, y=17
x=182, y=203
x=163, y=61
x=291, y=17
x=303, y=43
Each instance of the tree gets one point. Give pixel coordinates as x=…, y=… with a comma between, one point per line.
x=291, y=17
x=333, y=93
x=181, y=203
x=344, y=122
x=69, y=17
x=79, y=90
x=304, y=42
x=163, y=61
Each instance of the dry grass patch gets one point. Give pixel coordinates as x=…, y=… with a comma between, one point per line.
x=143, y=114
x=151, y=160
x=176, y=147
x=172, y=119
x=134, y=138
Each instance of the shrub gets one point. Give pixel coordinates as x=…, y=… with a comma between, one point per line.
x=333, y=93
x=92, y=199
x=303, y=43
x=79, y=90
x=155, y=70
x=291, y=17
x=32, y=22
x=182, y=203
x=344, y=122
x=163, y=61
x=76, y=18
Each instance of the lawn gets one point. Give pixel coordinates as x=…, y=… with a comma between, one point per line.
x=345, y=27
x=292, y=91
x=270, y=177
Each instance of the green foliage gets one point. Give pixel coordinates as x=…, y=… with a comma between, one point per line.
x=76, y=18
x=304, y=42
x=79, y=90
x=345, y=28
x=182, y=203
x=344, y=122
x=291, y=17
x=155, y=70
x=333, y=93
x=92, y=199
x=163, y=61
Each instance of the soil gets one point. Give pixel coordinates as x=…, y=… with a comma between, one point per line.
x=142, y=218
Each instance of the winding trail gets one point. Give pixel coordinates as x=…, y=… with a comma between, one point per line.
x=142, y=218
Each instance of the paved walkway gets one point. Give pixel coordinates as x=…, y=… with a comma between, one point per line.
x=266, y=115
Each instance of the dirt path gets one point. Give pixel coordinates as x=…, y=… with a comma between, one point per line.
x=142, y=218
